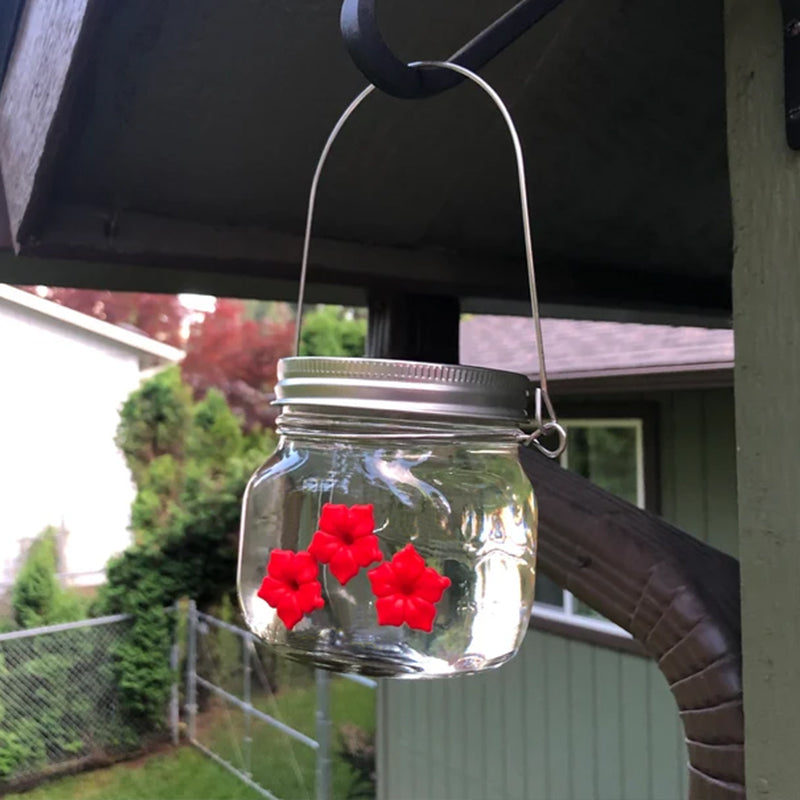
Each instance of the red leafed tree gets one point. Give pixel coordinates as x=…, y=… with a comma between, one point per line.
x=238, y=356
x=160, y=316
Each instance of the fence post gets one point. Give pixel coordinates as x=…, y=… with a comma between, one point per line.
x=248, y=699
x=191, y=671
x=323, y=719
x=174, y=692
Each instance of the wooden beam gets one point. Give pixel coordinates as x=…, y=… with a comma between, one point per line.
x=765, y=188
x=77, y=274
x=105, y=234
x=36, y=101
x=677, y=596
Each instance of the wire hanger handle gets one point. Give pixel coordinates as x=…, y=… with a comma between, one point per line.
x=543, y=428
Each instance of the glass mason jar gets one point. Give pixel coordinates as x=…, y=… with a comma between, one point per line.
x=392, y=532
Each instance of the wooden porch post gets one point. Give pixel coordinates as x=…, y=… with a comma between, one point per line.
x=765, y=187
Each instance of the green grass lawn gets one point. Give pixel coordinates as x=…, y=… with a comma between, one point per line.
x=281, y=764
x=183, y=774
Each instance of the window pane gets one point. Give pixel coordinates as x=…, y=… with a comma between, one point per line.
x=548, y=591
x=607, y=457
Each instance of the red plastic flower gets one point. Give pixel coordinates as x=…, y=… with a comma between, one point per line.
x=345, y=540
x=291, y=585
x=407, y=590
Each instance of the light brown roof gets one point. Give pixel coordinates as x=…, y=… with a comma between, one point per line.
x=578, y=349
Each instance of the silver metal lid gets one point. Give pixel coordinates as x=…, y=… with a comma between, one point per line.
x=402, y=387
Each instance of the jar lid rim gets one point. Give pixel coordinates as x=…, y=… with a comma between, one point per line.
x=393, y=386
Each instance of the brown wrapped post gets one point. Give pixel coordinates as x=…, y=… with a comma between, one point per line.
x=677, y=596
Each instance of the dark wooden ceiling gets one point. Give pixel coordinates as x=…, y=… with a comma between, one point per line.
x=187, y=132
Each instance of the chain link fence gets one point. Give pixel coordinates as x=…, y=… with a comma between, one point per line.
x=59, y=709
x=270, y=721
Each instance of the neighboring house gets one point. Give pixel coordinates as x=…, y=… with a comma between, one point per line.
x=580, y=714
x=65, y=377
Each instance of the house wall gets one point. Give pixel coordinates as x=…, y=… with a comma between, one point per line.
x=567, y=720
x=60, y=392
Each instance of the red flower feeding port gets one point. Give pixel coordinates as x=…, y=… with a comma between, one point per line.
x=291, y=586
x=407, y=590
x=346, y=540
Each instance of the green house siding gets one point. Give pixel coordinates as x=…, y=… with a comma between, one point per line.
x=563, y=720
x=566, y=720
x=697, y=450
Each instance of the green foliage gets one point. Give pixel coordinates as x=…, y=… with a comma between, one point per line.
x=155, y=421
x=36, y=597
x=216, y=434
x=156, y=502
x=357, y=750
x=36, y=587
x=51, y=703
x=191, y=463
x=333, y=331
x=58, y=692
x=139, y=584
x=21, y=748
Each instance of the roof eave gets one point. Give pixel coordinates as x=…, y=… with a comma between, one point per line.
x=130, y=339
x=677, y=377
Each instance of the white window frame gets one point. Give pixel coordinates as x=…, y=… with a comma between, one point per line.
x=566, y=612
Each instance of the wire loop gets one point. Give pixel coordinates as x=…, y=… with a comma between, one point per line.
x=542, y=394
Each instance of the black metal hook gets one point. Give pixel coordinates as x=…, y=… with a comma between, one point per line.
x=371, y=54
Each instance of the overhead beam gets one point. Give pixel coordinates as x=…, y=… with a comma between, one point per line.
x=77, y=274
x=85, y=233
x=36, y=101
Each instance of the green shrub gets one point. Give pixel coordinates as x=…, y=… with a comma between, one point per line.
x=21, y=749
x=190, y=462
x=57, y=693
x=36, y=588
x=333, y=331
x=155, y=421
x=357, y=750
x=215, y=434
x=37, y=598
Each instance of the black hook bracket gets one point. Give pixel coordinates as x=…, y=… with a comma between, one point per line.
x=381, y=66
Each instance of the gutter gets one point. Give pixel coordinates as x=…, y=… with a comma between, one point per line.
x=714, y=376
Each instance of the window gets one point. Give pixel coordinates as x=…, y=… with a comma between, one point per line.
x=610, y=453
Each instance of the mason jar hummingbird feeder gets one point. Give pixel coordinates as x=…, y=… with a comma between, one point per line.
x=393, y=531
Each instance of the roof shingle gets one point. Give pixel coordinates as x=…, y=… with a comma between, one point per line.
x=579, y=348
